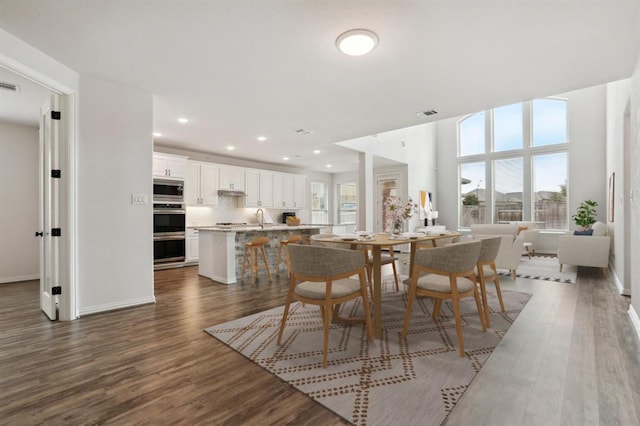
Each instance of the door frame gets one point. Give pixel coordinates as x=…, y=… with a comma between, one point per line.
x=67, y=262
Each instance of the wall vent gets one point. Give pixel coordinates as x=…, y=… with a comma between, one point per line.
x=304, y=131
x=427, y=113
x=10, y=87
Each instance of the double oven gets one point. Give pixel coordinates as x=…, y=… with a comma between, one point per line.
x=168, y=222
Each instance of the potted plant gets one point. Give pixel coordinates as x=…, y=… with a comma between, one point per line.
x=585, y=214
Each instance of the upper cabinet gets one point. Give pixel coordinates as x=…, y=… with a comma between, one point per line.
x=259, y=188
x=231, y=178
x=201, y=184
x=169, y=166
x=289, y=191
x=300, y=191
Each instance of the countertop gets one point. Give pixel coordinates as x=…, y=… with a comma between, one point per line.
x=254, y=228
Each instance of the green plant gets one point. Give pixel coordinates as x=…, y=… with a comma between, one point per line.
x=585, y=213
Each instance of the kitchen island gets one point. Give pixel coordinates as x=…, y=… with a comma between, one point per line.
x=222, y=248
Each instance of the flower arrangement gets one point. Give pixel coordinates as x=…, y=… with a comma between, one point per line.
x=397, y=211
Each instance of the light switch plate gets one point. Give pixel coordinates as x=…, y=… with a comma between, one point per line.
x=139, y=199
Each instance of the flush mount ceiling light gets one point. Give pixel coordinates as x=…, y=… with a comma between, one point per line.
x=357, y=42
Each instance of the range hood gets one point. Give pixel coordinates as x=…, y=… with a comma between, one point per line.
x=231, y=193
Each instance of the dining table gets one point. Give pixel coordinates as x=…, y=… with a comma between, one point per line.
x=376, y=242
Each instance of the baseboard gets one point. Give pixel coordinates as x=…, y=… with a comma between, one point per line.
x=623, y=291
x=120, y=305
x=634, y=319
x=19, y=278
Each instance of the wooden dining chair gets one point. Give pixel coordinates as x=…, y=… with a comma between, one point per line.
x=385, y=259
x=486, y=272
x=449, y=275
x=320, y=276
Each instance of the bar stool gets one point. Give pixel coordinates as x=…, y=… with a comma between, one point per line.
x=252, y=248
x=284, y=246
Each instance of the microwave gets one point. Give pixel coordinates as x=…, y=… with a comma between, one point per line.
x=168, y=190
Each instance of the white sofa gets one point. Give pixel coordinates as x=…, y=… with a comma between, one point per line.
x=586, y=250
x=511, y=247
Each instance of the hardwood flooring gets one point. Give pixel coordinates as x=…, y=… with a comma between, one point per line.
x=572, y=357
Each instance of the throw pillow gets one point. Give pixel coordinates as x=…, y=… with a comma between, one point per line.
x=599, y=229
x=585, y=232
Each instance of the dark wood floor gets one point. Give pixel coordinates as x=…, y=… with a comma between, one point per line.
x=571, y=358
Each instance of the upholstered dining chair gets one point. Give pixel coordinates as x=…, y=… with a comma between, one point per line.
x=320, y=276
x=449, y=276
x=486, y=272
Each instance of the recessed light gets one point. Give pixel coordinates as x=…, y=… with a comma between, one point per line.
x=157, y=134
x=357, y=42
x=316, y=151
x=183, y=120
x=231, y=148
x=262, y=138
x=285, y=158
x=328, y=166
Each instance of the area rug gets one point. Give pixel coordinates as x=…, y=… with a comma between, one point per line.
x=544, y=268
x=387, y=381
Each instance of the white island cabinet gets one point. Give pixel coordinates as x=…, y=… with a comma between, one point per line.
x=221, y=249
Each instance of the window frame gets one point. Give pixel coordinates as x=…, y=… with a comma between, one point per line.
x=527, y=152
x=339, y=203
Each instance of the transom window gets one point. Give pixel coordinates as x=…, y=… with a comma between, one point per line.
x=520, y=153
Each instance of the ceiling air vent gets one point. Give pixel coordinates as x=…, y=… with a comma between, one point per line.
x=304, y=131
x=10, y=87
x=427, y=113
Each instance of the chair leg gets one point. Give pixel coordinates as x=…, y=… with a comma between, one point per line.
x=326, y=320
x=513, y=274
x=266, y=263
x=483, y=293
x=437, y=304
x=561, y=267
x=286, y=310
x=456, y=313
x=254, y=264
x=410, y=298
x=482, y=315
x=287, y=260
x=496, y=281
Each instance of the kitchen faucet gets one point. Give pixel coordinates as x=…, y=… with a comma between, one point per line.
x=260, y=218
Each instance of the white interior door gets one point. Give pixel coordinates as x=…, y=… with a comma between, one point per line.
x=49, y=210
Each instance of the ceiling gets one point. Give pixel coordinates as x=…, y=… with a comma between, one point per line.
x=247, y=68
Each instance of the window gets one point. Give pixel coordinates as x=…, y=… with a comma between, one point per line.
x=522, y=158
x=508, y=186
x=472, y=176
x=347, y=203
x=550, y=189
x=319, y=203
x=507, y=128
x=472, y=135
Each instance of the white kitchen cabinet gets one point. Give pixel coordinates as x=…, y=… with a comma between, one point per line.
x=299, y=191
x=169, y=166
x=231, y=178
x=192, y=245
x=259, y=188
x=283, y=187
x=201, y=184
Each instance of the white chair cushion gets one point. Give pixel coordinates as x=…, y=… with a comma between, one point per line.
x=316, y=290
x=441, y=284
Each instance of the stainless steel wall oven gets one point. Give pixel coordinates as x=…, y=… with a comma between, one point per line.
x=168, y=232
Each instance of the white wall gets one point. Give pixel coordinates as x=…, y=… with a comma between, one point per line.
x=115, y=150
x=618, y=97
x=634, y=232
x=587, y=164
x=19, y=251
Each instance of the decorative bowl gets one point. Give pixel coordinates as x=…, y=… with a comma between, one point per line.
x=293, y=222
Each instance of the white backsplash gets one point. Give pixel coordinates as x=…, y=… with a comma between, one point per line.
x=228, y=211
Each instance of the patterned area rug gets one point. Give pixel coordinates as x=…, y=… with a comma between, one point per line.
x=544, y=268
x=387, y=381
